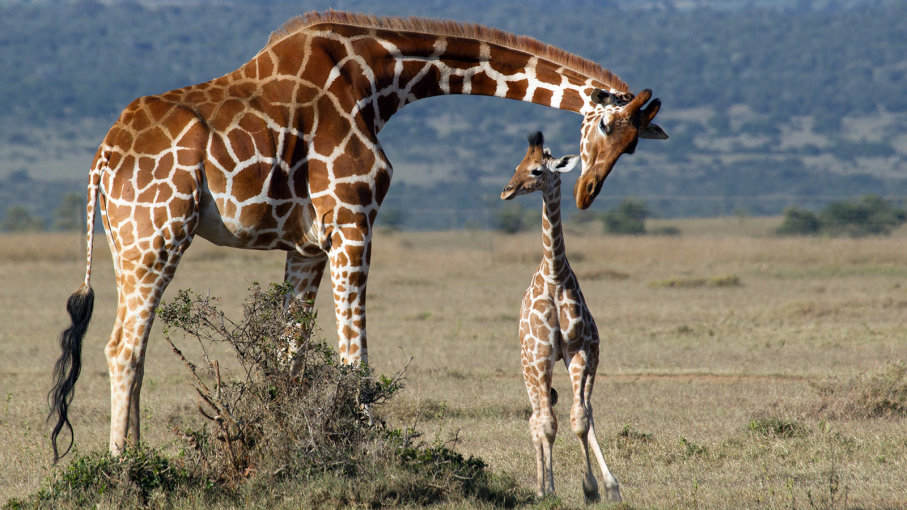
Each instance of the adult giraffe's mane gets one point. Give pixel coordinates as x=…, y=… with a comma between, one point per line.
x=453, y=29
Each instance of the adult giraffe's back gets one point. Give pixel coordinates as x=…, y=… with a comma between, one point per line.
x=283, y=154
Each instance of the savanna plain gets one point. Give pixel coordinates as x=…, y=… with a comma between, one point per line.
x=737, y=369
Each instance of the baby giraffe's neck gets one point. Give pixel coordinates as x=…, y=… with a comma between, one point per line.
x=554, y=257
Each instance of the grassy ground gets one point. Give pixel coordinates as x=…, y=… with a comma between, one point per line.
x=737, y=369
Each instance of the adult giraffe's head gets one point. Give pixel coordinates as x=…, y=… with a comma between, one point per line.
x=612, y=125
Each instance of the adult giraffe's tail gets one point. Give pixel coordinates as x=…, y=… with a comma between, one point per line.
x=79, y=306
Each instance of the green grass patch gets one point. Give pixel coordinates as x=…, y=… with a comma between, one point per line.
x=140, y=477
x=837, y=271
x=775, y=427
x=730, y=280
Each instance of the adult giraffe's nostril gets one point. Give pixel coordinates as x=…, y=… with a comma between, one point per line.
x=590, y=188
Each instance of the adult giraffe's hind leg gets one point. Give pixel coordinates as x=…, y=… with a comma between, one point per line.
x=142, y=278
x=304, y=273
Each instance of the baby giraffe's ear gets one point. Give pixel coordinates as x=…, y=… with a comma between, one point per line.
x=564, y=164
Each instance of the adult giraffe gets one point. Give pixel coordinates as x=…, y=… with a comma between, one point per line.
x=283, y=154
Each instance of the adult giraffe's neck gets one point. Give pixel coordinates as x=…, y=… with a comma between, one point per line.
x=421, y=67
x=554, y=253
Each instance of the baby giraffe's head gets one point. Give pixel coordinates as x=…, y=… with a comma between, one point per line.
x=539, y=170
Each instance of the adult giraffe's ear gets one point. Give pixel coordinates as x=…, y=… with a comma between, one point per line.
x=564, y=164
x=653, y=132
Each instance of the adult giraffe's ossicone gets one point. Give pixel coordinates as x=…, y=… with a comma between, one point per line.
x=283, y=154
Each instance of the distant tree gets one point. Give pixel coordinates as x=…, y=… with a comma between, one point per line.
x=629, y=217
x=585, y=217
x=510, y=218
x=18, y=219
x=392, y=219
x=69, y=214
x=870, y=215
x=798, y=222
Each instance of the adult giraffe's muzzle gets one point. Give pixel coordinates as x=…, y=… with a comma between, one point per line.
x=589, y=185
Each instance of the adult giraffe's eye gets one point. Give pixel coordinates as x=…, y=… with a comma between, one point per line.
x=535, y=172
x=605, y=128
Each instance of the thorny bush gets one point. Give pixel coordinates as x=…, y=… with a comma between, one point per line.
x=293, y=408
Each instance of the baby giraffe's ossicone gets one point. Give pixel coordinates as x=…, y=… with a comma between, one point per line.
x=555, y=324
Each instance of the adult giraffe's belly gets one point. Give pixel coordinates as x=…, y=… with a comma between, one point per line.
x=266, y=224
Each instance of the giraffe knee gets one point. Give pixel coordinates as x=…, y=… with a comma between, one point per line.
x=548, y=427
x=579, y=421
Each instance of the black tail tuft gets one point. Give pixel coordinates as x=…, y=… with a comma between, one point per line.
x=66, y=371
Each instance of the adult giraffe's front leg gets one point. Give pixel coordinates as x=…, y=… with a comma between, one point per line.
x=349, y=256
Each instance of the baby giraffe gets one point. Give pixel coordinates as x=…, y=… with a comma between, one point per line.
x=556, y=324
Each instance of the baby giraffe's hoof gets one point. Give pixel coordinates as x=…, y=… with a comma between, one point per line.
x=612, y=492
x=590, y=490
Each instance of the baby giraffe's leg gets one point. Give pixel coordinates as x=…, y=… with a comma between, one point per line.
x=535, y=432
x=579, y=421
x=582, y=373
x=548, y=426
x=535, y=428
x=612, y=487
x=543, y=422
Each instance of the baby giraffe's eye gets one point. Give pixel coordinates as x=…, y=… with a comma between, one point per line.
x=605, y=128
x=535, y=172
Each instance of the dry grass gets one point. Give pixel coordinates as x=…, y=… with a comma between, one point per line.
x=698, y=385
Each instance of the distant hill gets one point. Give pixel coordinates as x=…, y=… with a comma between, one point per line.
x=768, y=103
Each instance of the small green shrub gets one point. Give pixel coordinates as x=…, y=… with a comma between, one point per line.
x=775, y=427
x=510, y=218
x=691, y=449
x=139, y=477
x=666, y=230
x=629, y=433
x=628, y=218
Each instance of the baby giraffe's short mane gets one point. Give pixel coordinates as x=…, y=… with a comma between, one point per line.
x=453, y=29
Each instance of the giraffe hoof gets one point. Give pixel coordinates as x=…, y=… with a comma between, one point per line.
x=590, y=491
x=613, y=493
